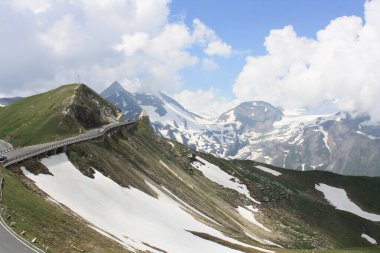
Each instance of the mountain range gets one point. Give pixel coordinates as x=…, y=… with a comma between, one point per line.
x=258, y=131
x=8, y=101
x=131, y=190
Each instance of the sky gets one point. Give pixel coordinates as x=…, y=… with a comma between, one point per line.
x=209, y=55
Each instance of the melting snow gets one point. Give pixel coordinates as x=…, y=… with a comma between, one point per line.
x=171, y=144
x=325, y=138
x=368, y=238
x=128, y=214
x=273, y=172
x=369, y=136
x=217, y=175
x=317, y=166
x=338, y=198
x=247, y=214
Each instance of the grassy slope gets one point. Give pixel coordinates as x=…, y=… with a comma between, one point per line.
x=54, y=115
x=301, y=220
x=36, y=119
x=133, y=155
x=42, y=219
x=307, y=215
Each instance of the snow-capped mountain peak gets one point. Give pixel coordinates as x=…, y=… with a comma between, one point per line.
x=254, y=115
x=256, y=130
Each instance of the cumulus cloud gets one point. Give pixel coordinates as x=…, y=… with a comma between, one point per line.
x=341, y=64
x=209, y=64
x=207, y=103
x=218, y=48
x=44, y=44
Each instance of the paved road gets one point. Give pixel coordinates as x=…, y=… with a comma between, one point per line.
x=20, y=154
x=10, y=243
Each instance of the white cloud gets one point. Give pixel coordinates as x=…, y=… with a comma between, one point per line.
x=132, y=43
x=159, y=58
x=209, y=64
x=340, y=64
x=36, y=6
x=218, y=48
x=203, y=33
x=213, y=45
x=207, y=103
x=102, y=41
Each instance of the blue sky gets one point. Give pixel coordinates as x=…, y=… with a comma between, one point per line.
x=207, y=54
x=244, y=24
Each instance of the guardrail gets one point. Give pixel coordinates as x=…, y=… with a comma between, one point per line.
x=62, y=143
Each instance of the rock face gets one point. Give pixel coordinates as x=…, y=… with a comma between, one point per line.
x=5, y=145
x=259, y=131
x=90, y=110
x=62, y=112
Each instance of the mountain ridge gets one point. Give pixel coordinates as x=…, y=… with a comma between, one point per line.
x=55, y=114
x=259, y=131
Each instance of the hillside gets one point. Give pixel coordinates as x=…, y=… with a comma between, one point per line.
x=209, y=197
x=54, y=115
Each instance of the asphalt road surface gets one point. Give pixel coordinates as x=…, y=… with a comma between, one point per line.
x=10, y=243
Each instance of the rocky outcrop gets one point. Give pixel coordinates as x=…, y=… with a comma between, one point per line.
x=90, y=110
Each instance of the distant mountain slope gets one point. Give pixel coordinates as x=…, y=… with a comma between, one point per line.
x=55, y=114
x=8, y=101
x=259, y=131
x=161, y=108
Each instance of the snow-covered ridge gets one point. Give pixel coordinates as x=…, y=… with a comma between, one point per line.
x=133, y=211
x=258, y=131
x=339, y=199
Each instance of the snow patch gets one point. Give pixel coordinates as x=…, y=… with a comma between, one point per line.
x=248, y=215
x=368, y=136
x=317, y=166
x=171, y=144
x=217, y=175
x=368, y=238
x=273, y=172
x=325, y=138
x=128, y=214
x=339, y=199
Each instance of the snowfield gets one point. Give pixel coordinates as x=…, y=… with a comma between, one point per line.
x=217, y=175
x=339, y=199
x=134, y=218
x=270, y=171
x=368, y=238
